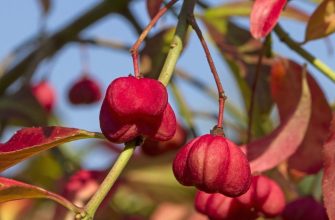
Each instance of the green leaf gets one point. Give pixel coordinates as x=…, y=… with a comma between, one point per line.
x=28, y=142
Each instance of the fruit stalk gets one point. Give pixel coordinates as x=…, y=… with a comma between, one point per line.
x=110, y=179
x=134, y=48
x=221, y=93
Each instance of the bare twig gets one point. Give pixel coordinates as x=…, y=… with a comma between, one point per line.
x=134, y=48
x=100, y=42
x=221, y=93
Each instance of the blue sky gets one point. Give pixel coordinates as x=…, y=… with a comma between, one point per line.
x=19, y=20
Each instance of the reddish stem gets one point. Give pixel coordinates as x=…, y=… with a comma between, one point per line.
x=134, y=48
x=222, y=96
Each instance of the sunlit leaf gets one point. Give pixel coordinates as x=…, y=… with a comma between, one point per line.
x=264, y=16
x=13, y=210
x=153, y=7
x=13, y=190
x=267, y=152
x=322, y=21
x=30, y=141
x=286, y=76
x=328, y=180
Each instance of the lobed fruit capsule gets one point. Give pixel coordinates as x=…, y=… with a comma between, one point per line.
x=136, y=107
x=264, y=198
x=213, y=164
x=85, y=91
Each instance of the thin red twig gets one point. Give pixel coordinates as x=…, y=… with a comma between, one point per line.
x=134, y=48
x=222, y=96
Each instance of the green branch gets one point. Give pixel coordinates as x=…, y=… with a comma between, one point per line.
x=321, y=66
x=177, y=44
x=109, y=181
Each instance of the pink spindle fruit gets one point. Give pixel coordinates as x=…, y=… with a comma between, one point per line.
x=85, y=91
x=213, y=164
x=45, y=95
x=152, y=148
x=264, y=198
x=133, y=107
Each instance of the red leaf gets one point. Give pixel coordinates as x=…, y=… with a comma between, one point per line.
x=328, y=180
x=286, y=76
x=264, y=16
x=267, y=152
x=13, y=190
x=153, y=7
x=30, y=141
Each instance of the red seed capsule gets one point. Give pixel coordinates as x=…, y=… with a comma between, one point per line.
x=152, y=148
x=45, y=95
x=85, y=91
x=213, y=164
x=133, y=107
x=264, y=198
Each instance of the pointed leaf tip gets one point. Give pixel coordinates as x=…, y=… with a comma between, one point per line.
x=264, y=16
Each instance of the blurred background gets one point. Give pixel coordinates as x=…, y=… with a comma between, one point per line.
x=23, y=20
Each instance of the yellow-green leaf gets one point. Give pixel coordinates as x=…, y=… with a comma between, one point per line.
x=322, y=21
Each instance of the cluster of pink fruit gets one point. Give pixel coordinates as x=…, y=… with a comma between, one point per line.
x=137, y=108
x=84, y=91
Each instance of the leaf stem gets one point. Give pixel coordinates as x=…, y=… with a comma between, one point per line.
x=253, y=90
x=109, y=181
x=221, y=93
x=134, y=48
x=318, y=64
